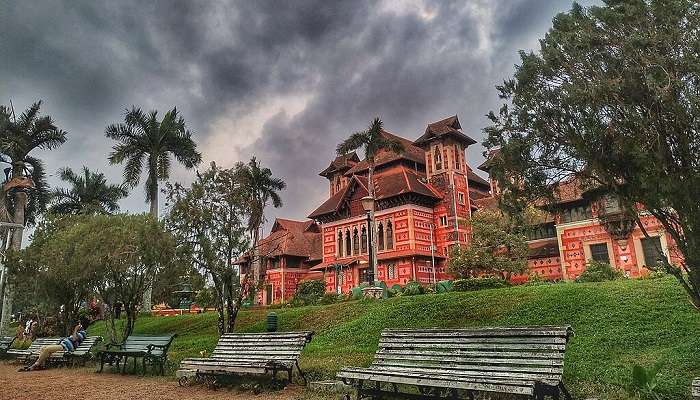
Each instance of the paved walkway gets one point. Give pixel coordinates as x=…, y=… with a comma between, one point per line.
x=84, y=383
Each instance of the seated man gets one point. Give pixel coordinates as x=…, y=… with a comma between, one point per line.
x=67, y=344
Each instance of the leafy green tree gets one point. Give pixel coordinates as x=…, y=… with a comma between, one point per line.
x=372, y=141
x=25, y=192
x=498, y=247
x=208, y=219
x=89, y=193
x=611, y=99
x=258, y=188
x=144, y=141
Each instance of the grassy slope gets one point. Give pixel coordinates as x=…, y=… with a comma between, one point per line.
x=617, y=324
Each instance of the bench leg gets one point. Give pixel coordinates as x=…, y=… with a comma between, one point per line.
x=303, y=377
x=102, y=361
x=143, y=366
x=564, y=391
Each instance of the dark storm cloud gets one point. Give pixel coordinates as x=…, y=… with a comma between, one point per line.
x=310, y=72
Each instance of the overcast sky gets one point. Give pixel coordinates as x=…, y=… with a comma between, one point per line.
x=284, y=81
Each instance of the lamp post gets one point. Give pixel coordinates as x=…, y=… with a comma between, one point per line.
x=368, y=206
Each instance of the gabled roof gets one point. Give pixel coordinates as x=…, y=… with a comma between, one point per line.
x=293, y=238
x=340, y=164
x=474, y=178
x=335, y=202
x=486, y=165
x=449, y=126
x=410, y=152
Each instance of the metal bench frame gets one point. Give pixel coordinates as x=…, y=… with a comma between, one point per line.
x=455, y=363
x=248, y=353
x=137, y=346
x=5, y=344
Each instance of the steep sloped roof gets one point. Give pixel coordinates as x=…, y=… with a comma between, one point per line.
x=490, y=156
x=335, y=202
x=293, y=238
x=410, y=152
x=449, y=126
x=341, y=163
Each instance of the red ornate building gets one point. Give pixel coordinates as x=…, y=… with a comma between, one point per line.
x=426, y=195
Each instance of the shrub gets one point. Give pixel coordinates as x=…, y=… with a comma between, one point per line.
x=413, y=288
x=329, y=298
x=309, y=292
x=597, y=271
x=536, y=279
x=469, y=284
x=444, y=287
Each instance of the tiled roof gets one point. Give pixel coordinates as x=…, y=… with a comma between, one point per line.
x=446, y=127
x=486, y=165
x=486, y=203
x=341, y=163
x=474, y=178
x=293, y=238
x=568, y=191
x=544, y=249
x=410, y=152
x=334, y=203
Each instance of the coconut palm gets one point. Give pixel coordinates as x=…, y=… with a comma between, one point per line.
x=259, y=188
x=25, y=191
x=143, y=141
x=89, y=193
x=371, y=141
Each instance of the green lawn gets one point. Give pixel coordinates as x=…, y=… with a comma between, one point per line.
x=617, y=324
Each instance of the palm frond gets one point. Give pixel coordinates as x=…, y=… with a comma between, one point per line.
x=354, y=142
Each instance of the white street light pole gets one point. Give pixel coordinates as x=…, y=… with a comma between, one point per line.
x=432, y=252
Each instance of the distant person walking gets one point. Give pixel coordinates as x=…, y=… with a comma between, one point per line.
x=68, y=344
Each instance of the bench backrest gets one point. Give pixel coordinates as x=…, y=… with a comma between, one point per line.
x=38, y=343
x=696, y=388
x=86, y=345
x=535, y=353
x=282, y=347
x=6, y=342
x=142, y=343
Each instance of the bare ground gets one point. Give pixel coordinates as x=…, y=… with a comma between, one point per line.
x=85, y=383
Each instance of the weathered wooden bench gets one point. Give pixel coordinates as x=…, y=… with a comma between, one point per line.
x=151, y=350
x=249, y=353
x=525, y=361
x=696, y=389
x=79, y=355
x=6, y=343
x=24, y=355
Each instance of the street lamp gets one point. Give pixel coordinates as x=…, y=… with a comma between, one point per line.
x=368, y=206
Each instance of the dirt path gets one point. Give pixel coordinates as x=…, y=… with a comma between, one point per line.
x=84, y=383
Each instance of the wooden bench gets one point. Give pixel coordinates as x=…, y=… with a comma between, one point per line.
x=249, y=353
x=79, y=355
x=696, y=389
x=6, y=343
x=23, y=355
x=150, y=349
x=525, y=361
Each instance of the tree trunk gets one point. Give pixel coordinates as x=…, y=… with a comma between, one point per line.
x=256, y=262
x=230, y=317
x=15, y=244
x=372, y=229
x=148, y=293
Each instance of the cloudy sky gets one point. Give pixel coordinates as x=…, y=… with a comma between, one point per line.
x=285, y=81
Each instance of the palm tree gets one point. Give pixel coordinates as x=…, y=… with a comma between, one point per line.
x=142, y=139
x=89, y=193
x=259, y=188
x=371, y=141
x=25, y=191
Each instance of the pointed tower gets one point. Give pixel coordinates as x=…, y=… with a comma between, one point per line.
x=444, y=144
x=336, y=170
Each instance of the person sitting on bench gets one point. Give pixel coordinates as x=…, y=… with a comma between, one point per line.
x=67, y=344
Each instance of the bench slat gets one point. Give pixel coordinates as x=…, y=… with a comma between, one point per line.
x=696, y=388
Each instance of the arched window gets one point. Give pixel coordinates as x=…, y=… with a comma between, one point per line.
x=355, y=243
x=340, y=244
x=389, y=236
x=380, y=237
x=363, y=240
x=348, y=245
x=437, y=157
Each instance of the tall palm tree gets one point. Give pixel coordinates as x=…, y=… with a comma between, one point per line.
x=371, y=141
x=89, y=193
x=259, y=188
x=25, y=191
x=145, y=141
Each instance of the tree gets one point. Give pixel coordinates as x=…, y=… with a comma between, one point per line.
x=498, y=247
x=258, y=188
x=89, y=193
x=51, y=270
x=372, y=141
x=208, y=220
x=611, y=99
x=25, y=191
x=143, y=140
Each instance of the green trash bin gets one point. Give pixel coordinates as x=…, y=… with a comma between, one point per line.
x=271, y=322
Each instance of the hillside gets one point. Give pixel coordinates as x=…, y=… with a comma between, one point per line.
x=617, y=324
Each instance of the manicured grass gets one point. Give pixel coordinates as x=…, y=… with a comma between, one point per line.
x=617, y=324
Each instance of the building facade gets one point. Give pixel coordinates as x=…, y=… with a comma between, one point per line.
x=425, y=196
